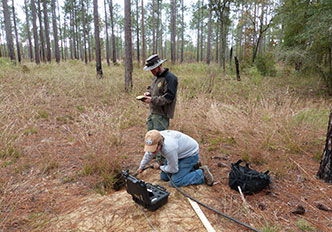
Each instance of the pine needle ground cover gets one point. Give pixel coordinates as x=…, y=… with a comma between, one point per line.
x=64, y=136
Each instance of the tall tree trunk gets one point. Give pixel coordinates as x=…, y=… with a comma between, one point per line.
x=158, y=26
x=237, y=66
x=209, y=37
x=106, y=31
x=182, y=31
x=72, y=23
x=16, y=34
x=153, y=29
x=55, y=34
x=217, y=43
x=173, y=30
x=143, y=35
x=198, y=29
x=65, y=35
x=47, y=32
x=84, y=33
x=325, y=168
x=202, y=15
x=128, y=48
x=77, y=38
x=113, y=33
x=89, y=45
x=28, y=29
x=60, y=30
x=8, y=26
x=97, y=40
x=35, y=33
x=41, y=33
x=160, y=30
x=137, y=32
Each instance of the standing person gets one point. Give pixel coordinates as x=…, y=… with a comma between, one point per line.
x=181, y=153
x=160, y=95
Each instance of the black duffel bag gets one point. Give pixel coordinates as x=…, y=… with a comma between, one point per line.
x=249, y=180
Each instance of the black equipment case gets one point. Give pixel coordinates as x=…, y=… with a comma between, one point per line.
x=151, y=197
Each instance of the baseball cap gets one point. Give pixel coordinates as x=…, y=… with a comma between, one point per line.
x=152, y=139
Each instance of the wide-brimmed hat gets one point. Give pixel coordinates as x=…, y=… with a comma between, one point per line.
x=152, y=139
x=153, y=62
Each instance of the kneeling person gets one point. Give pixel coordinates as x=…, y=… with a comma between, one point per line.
x=181, y=154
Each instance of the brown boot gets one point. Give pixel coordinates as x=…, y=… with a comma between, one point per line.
x=208, y=177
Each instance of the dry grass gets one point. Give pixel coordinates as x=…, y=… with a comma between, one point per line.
x=58, y=121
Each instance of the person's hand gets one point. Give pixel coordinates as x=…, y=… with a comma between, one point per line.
x=139, y=170
x=147, y=94
x=156, y=166
x=147, y=100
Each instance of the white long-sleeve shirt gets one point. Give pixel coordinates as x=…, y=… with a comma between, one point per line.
x=176, y=146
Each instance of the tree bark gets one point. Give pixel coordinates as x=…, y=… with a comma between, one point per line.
x=237, y=68
x=153, y=29
x=84, y=33
x=128, y=48
x=137, y=32
x=173, y=30
x=97, y=40
x=47, y=32
x=106, y=31
x=202, y=15
x=182, y=31
x=208, y=51
x=113, y=34
x=16, y=34
x=55, y=34
x=60, y=30
x=41, y=33
x=198, y=29
x=35, y=33
x=325, y=168
x=28, y=29
x=8, y=26
x=143, y=35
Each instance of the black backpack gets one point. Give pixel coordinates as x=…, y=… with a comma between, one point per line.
x=249, y=180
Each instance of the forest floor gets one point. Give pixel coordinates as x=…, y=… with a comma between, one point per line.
x=64, y=135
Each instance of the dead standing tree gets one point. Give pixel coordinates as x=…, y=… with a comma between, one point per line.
x=325, y=168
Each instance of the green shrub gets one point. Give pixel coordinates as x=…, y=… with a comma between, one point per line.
x=266, y=65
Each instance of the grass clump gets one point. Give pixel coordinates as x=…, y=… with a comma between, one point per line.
x=304, y=225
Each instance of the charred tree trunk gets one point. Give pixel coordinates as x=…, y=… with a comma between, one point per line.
x=128, y=48
x=97, y=40
x=325, y=168
x=47, y=32
x=237, y=66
